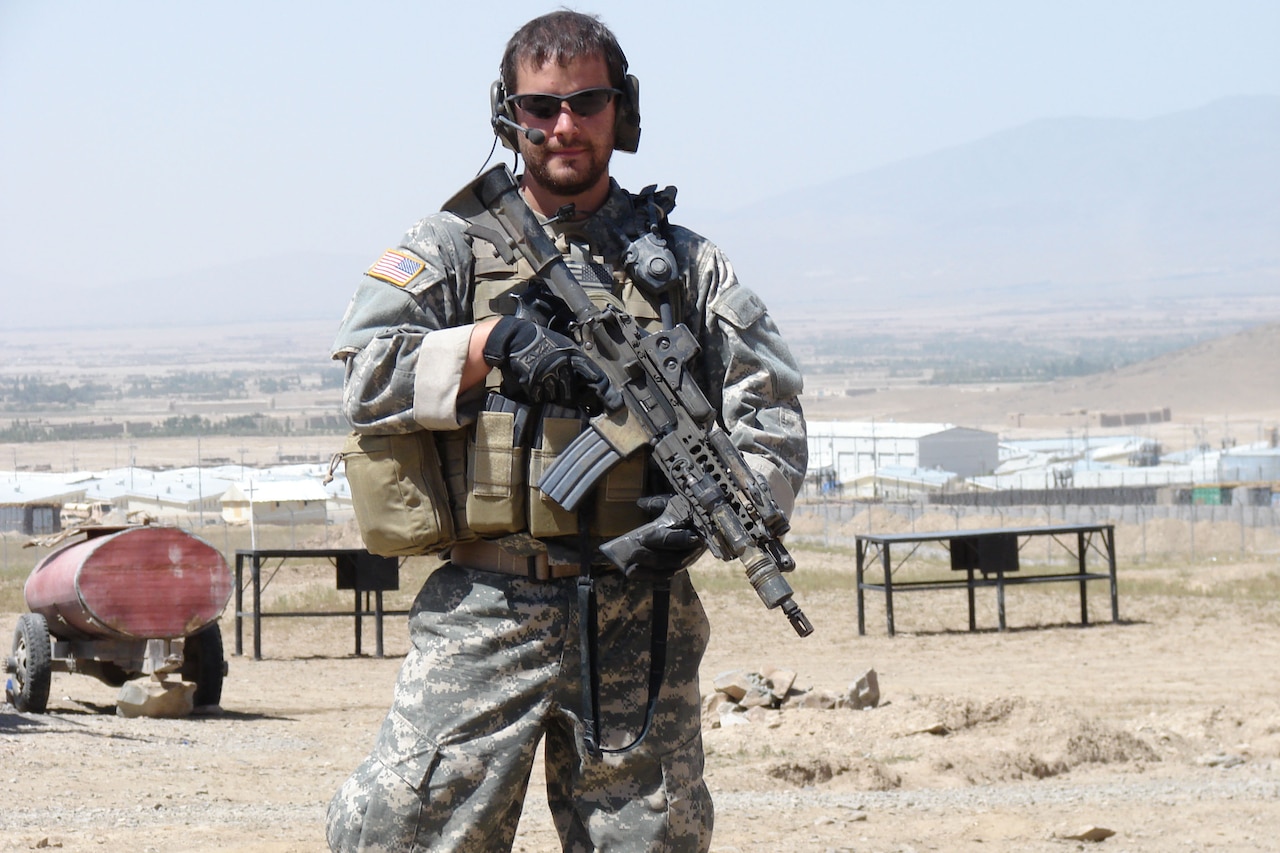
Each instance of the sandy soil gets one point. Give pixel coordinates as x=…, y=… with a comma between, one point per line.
x=1164, y=729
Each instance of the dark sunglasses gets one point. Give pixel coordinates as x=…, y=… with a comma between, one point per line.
x=586, y=102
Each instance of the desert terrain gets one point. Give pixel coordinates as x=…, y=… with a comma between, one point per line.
x=1160, y=732
x=1215, y=365
x=1163, y=729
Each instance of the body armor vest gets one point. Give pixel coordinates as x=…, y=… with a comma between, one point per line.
x=512, y=444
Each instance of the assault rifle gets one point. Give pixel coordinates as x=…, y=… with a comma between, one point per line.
x=714, y=490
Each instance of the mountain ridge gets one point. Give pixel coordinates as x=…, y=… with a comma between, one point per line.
x=1081, y=205
x=1056, y=209
x=1224, y=377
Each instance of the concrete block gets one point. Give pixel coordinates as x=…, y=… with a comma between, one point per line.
x=864, y=693
x=150, y=698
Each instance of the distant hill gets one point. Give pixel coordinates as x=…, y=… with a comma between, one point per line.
x=1058, y=209
x=1236, y=377
x=1069, y=208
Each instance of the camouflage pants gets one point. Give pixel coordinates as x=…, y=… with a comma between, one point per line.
x=494, y=668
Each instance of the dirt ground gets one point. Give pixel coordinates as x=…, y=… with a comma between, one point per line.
x=1163, y=729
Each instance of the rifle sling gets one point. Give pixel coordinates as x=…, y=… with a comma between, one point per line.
x=588, y=633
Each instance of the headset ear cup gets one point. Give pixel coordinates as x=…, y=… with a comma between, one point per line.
x=498, y=106
x=626, y=126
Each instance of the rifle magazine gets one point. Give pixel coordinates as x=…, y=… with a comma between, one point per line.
x=577, y=470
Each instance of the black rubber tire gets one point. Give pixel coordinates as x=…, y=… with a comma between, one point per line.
x=33, y=674
x=203, y=663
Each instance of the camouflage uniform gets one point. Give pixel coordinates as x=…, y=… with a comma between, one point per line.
x=494, y=666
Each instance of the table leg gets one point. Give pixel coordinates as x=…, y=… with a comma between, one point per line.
x=1000, y=596
x=973, y=619
x=1084, y=586
x=239, y=604
x=377, y=598
x=256, y=570
x=359, y=622
x=1109, y=537
x=861, y=550
x=888, y=586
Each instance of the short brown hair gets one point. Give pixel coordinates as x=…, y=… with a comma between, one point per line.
x=563, y=36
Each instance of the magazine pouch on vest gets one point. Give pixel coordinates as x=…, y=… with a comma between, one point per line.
x=547, y=518
x=615, y=511
x=399, y=493
x=506, y=457
x=496, y=464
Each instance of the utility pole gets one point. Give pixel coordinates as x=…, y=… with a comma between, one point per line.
x=199, y=483
x=253, y=529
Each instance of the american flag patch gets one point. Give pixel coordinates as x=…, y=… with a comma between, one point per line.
x=590, y=272
x=395, y=267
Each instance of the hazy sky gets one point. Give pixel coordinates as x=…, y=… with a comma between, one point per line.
x=138, y=138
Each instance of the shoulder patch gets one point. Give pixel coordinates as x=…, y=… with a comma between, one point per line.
x=396, y=267
x=738, y=305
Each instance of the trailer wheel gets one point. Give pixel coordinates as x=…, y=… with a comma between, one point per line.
x=203, y=663
x=28, y=690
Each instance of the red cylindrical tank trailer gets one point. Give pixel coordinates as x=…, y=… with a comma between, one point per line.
x=106, y=597
x=140, y=583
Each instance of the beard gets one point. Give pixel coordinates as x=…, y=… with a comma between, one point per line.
x=560, y=180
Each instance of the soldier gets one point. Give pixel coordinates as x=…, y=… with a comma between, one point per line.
x=433, y=356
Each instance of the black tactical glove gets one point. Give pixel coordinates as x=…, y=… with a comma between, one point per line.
x=542, y=366
x=662, y=547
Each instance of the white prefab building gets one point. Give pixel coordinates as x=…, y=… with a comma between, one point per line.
x=180, y=496
x=32, y=504
x=900, y=484
x=1250, y=465
x=851, y=450
x=275, y=502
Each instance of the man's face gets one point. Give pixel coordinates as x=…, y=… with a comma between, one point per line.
x=574, y=160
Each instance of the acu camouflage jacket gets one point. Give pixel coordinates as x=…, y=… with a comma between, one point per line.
x=404, y=335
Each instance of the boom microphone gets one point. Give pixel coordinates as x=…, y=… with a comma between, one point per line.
x=534, y=135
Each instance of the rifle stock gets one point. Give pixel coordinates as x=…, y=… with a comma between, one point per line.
x=663, y=408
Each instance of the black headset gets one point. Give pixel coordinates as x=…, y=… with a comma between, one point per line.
x=626, y=126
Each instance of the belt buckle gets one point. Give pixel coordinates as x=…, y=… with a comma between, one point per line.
x=539, y=567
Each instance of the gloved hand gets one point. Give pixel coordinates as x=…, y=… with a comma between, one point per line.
x=542, y=366
x=661, y=547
